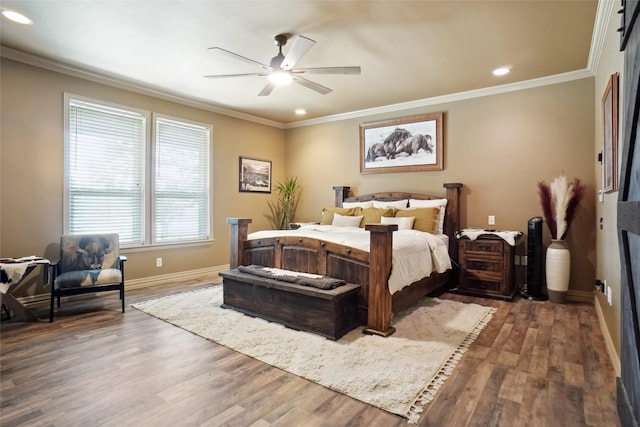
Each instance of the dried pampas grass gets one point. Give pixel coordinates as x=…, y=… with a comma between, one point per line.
x=560, y=202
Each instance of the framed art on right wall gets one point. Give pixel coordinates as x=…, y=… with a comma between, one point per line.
x=610, y=137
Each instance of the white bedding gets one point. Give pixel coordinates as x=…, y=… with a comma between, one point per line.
x=416, y=254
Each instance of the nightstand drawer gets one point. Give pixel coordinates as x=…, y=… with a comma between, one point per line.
x=482, y=285
x=494, y=266
x=484, y=246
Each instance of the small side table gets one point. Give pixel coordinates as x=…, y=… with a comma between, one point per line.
x=15, y=271
x=487, y=265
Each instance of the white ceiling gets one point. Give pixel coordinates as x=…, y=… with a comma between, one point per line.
x=408, y=50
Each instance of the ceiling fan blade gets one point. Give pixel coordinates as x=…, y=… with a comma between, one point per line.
x=329, y=70
x=267, y=89
x=224, y=76
x=301, y=45
x=323, y=90
x=240, y=57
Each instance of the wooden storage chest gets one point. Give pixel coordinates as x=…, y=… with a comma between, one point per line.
x=331, y=313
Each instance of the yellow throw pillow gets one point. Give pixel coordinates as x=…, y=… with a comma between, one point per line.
x=373, y=215
x=327, y=213
x=426, y=218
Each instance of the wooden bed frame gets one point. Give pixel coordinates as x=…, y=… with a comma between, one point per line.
x=370, y=270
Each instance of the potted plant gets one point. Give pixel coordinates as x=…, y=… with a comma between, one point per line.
x=559, y=202
x=283, y=210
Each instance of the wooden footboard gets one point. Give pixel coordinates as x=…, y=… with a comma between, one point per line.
x=314, y=256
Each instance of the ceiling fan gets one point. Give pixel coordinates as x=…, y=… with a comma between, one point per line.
x=280, y=70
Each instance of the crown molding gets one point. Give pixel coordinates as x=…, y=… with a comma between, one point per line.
x=133, y=86
x=460, y=96
x=603, y=15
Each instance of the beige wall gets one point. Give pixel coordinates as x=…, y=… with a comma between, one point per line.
x=31, y=175
x=607, y=251
x=498, y=146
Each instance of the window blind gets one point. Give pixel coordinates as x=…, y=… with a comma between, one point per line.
x=181, y=184
x=105, y=171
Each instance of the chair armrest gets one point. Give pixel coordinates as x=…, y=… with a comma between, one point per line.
x=121, y=261
x=50, y=272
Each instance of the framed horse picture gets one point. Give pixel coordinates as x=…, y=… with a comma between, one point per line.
x=409, y=144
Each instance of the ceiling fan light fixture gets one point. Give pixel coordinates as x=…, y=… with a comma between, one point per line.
x=280, y=78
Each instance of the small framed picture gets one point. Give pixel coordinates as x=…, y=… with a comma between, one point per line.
x=255, y=175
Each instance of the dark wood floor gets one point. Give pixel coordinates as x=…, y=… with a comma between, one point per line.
x=535, y=364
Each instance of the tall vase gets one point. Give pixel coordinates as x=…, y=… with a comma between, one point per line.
x=558, y=263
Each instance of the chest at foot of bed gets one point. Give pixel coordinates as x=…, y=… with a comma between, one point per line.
x=331, y=313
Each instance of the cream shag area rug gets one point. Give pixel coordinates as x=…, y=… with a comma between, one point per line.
x=399, y=374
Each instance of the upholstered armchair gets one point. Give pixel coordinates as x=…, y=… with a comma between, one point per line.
x=88, y=263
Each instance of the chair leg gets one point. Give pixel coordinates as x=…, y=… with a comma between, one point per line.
x=51, y=308
x=122, y=297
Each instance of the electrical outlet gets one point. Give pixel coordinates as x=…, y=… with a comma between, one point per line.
x=608, y=293
x=492, y=220
x=158, y=262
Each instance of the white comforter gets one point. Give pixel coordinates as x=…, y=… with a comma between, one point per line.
x=416, y=254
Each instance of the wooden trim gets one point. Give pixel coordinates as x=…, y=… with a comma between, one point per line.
x=209, y=273
x=611, y=350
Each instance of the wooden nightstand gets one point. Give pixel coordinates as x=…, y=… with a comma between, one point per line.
x=486, y=267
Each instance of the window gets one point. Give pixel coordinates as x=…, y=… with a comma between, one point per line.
x=110, y=161
x=181, y=192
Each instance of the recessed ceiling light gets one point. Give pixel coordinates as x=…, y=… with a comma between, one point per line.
x=501, y=71
x=301, y=111
x=16, y=17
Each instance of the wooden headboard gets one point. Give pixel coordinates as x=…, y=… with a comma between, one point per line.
x=452, y=216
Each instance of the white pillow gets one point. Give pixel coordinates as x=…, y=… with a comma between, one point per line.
x=400, y=204
x=404, y=223
x=363, y=205
x=433, y=203
x=346, y=221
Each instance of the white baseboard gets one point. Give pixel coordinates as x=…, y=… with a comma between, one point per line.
x=200, y=274
x=143, y=282
x=613, y=354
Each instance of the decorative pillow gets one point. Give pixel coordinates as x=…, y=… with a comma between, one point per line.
x=404, y=223
x=363, y=205
x=327, y=213
x=373, y=215
x=346, y=221
x=426, y=219
x=398, y=204
x=433, y=203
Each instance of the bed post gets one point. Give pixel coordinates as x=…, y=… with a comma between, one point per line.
x=452, y=219
x=342, y=192
x=239, y=232
x=380, y=252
